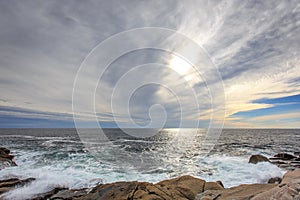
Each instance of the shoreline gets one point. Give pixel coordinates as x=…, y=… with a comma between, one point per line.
x=183, y=187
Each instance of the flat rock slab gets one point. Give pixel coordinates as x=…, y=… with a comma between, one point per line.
x=181, y=188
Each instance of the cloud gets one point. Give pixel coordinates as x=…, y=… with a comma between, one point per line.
x=253, y=44
x=285, y=120
x=277, y=117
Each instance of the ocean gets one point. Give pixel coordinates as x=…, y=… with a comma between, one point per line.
x=58, y=158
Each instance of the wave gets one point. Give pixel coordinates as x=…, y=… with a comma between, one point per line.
x=83, y=171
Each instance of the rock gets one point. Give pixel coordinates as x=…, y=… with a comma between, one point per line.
x=118, y=190
x=297, y=154
x=208, y=195
x=286, y=161
x=150, y=191
x=9, y=184
x=187, y=186
x=245, y=191
x=69, y=194
x=238, y=192
x=5, y=150
x=285, y=156
x=279, y=162
x=47, y=195
x=6, y=160
x=254, y=159
x=6, y=155
x=274, y=180
x=213, y=186
x=291, y=177
x=181, y=188
x=289, y=188
x=8, y=180
x=220, y=182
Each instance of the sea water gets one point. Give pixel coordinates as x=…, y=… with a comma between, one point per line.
x=58, y=158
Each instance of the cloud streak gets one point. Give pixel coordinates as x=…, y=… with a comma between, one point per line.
x=255, y=46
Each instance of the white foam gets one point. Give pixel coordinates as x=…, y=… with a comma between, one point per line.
x=233, y=171
x=82, y=170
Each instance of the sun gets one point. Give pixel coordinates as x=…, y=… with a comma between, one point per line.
x=180, y=66
x=184, y=69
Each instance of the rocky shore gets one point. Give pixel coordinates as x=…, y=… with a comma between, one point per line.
x=283, y=160
x=181, y=188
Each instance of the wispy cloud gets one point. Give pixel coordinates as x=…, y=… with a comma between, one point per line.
x=254, y=44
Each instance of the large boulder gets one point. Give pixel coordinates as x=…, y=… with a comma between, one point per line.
x=254, y=159
x=181, y=188
x=185, y=187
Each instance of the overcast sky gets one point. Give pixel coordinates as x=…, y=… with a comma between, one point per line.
x=253, y=44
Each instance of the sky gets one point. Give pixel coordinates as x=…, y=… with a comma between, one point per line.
x=253, y=45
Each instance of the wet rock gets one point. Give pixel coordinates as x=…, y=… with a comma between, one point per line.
x=5, y=150
x=274, y=180
x=285, y=156
x=279, y=162
x=6, y=159
x=8, y=180
x=254, y=159
x=48, y=195
x=9, y=184
x=286, y=161
x=69, y=194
